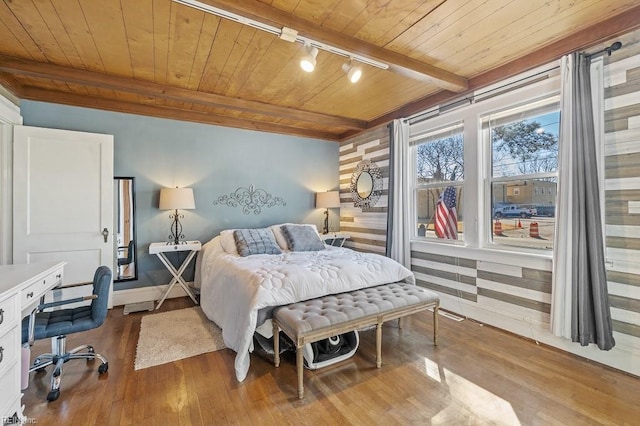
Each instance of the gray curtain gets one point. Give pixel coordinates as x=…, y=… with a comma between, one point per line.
x=590, y=313
x=399, y=208
x=390, y=191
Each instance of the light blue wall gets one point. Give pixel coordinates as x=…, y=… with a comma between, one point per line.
x=213, y=160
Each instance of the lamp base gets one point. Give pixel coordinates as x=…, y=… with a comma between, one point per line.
x=325, y=230
x=176, y=230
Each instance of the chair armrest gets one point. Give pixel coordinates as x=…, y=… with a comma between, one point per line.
x=62, y=287
x=32, y=325
x=74, y=285
x=43, y=306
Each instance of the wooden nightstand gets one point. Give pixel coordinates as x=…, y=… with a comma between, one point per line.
x=159, y=249
x=335, y=239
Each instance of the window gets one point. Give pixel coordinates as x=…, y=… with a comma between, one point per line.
x=523, y=144
x=485, y=161
x=439, y=176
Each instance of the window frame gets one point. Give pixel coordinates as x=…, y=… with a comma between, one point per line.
x=477, y=157
x=415, y=186
x=487, y=146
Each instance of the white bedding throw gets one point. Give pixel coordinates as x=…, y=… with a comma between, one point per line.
x=234, y=288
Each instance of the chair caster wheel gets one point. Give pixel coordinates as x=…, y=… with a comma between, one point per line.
x=53, y=395
x=103, y=368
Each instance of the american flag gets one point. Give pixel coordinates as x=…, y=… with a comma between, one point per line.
x=446, y=217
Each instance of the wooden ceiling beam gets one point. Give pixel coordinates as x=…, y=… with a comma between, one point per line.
x=12, y=85
x=398, y=63
x=37, y=94
x=19, y=66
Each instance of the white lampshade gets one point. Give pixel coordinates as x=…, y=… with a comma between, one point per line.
x=177, y=199
x=328, y=200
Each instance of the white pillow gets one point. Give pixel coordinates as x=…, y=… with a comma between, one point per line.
x=281, y=239
x=227, y=242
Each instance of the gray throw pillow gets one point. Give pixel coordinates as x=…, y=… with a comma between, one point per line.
x=255, y=241
x=302, y=238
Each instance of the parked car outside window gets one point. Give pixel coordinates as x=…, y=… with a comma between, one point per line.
x=513, y=210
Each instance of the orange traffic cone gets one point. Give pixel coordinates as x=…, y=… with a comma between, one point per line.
x=534, y=232
x=519, y=224
x=497, y=228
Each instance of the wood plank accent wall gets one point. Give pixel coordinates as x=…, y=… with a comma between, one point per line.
x=520, y=292
x=367, y=227
x=622, y=184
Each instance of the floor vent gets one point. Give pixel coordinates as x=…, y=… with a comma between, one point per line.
x=449, y=315
x=138, y=307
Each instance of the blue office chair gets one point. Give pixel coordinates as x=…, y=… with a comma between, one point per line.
x=57, y=324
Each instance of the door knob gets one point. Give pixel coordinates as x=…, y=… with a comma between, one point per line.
x=105, y=234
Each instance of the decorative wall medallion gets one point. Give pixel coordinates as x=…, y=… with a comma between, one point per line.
x=366, y=184
x=252, y=200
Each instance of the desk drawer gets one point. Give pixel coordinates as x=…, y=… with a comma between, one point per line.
x=9, y=349
x=10, y=385
x=32, y=293
x=9, y=313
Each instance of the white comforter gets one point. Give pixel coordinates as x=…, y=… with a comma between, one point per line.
x=234, y=288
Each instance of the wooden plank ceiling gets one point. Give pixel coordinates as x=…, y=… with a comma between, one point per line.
x=165, y=59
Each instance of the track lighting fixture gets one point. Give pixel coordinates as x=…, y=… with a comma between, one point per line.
x=308, y=61
x=354, y=72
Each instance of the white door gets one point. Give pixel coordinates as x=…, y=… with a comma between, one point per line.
x=63, y=200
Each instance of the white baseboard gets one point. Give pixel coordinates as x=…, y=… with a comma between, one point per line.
x=624, y=356
x=145, y=294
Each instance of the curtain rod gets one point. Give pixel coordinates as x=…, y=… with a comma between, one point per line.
x=425, y=115
x=615, y=46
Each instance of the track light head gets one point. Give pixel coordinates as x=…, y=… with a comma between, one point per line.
x=308, y=61
x=354, y=72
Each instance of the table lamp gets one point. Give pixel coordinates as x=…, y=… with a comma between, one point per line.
x=176, y=199
x=327, y=200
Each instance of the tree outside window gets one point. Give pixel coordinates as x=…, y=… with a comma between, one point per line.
x=438, y=188
x=523, y=181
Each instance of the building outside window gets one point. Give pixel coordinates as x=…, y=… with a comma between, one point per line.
x=523, y=142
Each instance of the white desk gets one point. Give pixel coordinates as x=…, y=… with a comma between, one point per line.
x=336, y=239
x=159, y=249
x=21, y=287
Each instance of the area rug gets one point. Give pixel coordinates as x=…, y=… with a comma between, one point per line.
x=170, y=336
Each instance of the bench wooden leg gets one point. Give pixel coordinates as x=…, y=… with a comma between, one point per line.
x=300, y=368
x=276, y=344
x=379, y=345
x=435, y=325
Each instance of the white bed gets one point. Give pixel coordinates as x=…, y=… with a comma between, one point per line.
x=233, y=288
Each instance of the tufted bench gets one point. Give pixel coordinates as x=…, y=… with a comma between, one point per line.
x=327, y=316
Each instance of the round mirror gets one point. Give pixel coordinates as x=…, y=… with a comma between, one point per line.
x=364, y=186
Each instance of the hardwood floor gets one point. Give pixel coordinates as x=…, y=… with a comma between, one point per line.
x=477, y=375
